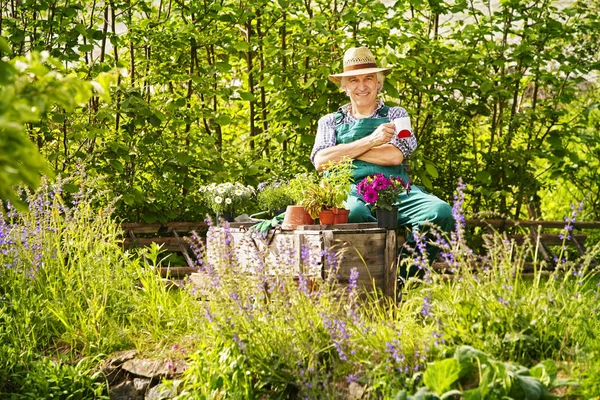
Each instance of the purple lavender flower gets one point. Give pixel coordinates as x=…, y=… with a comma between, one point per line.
x=352, y=281
x=426, y=311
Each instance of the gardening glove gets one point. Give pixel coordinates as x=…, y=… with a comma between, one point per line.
x=264, y=226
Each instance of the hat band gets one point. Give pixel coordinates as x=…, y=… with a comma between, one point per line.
x=359, y=66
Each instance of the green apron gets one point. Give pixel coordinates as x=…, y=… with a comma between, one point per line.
x=416, y=208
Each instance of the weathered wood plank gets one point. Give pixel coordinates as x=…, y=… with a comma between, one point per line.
x=158, y=228
x=549, y=239
x=509, y=223
x=169, y=243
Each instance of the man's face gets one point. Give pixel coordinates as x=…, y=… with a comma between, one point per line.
x=362, y=89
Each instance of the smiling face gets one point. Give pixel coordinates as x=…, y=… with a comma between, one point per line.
x=362, y=89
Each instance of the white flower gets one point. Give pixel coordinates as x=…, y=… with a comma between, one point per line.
x=238, y=192
x=228, y=201
x=220, y=190
x=218, y=199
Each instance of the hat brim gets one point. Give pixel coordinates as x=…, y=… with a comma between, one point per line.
x=337, y=78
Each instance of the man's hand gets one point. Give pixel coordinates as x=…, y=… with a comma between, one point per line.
x=383, y=134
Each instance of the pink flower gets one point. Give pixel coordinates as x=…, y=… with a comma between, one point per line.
x=380, y=182
x=370, y=195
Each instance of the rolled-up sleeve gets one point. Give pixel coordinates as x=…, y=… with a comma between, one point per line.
x=405, y=145
x=325, y=135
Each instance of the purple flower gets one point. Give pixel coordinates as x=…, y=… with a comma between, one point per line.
x=352, y=281
x=370, y=195
x=426, y=311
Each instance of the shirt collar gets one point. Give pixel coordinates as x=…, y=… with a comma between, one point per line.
x=345, y=109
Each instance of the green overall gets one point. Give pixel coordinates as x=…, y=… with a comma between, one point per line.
x=415, y=208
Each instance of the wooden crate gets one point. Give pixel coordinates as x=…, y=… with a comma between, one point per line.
x=371, y=250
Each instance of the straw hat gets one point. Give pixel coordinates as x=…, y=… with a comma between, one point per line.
x=358, y=61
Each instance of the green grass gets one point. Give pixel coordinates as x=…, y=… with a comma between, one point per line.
x=70, y=296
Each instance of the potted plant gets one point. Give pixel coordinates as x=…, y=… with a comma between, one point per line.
x=274, y=195
x=225, y=199
x=298, y=187
x=325, y=198
x=382, y=193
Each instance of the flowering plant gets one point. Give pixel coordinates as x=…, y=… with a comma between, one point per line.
x=225, y=197
x=381, y=191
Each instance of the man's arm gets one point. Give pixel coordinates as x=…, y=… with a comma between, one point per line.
x=385, y=154
x=372, y=147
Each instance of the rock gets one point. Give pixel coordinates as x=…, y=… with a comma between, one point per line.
x=119, y=358
x=162, y=392
x=154, y=369
x=141, y=384
x=112, y=366
x=355, y=391
x=125, y=391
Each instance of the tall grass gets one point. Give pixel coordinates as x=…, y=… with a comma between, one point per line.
x=70, y=296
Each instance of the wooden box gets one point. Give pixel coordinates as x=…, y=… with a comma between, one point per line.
x=312, y=250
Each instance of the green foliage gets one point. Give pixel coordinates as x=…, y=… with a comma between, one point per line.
x=332, y=189
x=66, y=282
x=215, y=93
x=48, y=379
x=30, y=88
x=487, y=378
x=275, y=194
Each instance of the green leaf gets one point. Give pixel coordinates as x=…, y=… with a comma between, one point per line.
x=4, y=46
x=128, y=199
x=474, y=394
x=526, y=387
x=440, y=375
x=483, y=177
x=247, y=96
x=86, y=47
x=116, y=164
x=70, y=188
x=431, y=169
x=309, y=83
x=486, y=86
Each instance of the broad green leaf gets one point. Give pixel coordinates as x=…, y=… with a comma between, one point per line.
x=440, y=375
x=4, y=46
x=247, y=96
x=486, y=86
x=483, y=177
x=70, y=188
x=431, y=169
x=116, y=164
x=128, y=199
x=527, y=388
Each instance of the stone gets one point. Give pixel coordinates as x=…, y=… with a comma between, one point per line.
x=154, y=369
x=141, y=384
x=162, y=392
x=355, y=391
x=125, y=391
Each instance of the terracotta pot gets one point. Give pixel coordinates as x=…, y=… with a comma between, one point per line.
x=326, y=217
x=294, y=216
x=308, y=220
x=340, y=215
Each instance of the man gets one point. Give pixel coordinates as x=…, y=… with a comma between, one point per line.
x=362, y=131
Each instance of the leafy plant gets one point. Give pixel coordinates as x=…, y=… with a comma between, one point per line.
x=332, y=189
x=274, y=194
x=486, y=378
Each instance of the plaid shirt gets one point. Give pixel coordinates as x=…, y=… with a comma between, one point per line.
x=326, y=130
